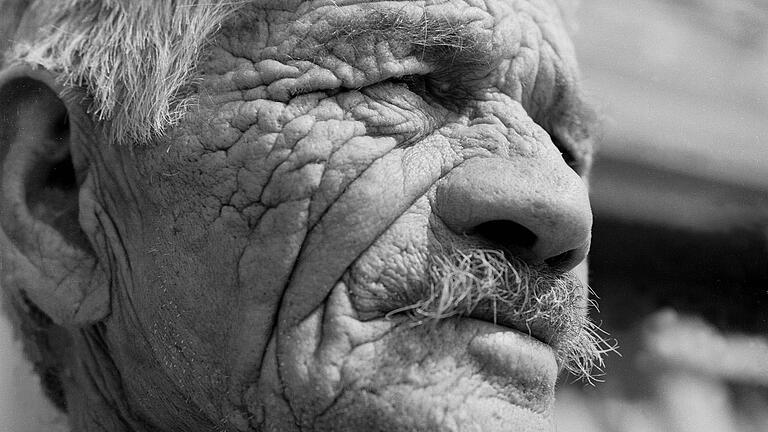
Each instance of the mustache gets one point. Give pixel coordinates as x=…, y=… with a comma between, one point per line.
x=552, y=307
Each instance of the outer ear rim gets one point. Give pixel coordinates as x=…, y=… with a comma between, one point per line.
x=36, y=72
x=64, y=281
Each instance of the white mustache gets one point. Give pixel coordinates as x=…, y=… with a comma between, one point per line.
x=552, y=307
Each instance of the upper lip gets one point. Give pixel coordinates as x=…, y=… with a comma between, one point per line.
x=549, y=322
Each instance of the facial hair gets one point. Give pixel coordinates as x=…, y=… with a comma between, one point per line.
x=551, y=306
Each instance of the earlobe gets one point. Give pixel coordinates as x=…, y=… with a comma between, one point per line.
x=40, y=189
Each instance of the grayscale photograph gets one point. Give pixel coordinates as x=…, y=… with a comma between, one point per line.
x=383, y=216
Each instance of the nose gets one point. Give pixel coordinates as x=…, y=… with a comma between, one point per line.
x=537, y=210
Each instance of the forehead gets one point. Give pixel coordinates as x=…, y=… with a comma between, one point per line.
x=360, y=42
x=277, y=50
x=378, y=15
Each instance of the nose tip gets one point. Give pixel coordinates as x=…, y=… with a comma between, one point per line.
x=540, y=214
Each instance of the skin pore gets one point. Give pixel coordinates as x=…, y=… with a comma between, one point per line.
x=267, y=259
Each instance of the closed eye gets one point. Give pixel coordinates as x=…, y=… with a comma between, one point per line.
x=415, y=83
x=435, y=89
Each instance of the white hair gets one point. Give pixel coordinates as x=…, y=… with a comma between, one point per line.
x=134, y=57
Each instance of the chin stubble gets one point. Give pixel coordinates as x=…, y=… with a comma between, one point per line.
x=550, y=306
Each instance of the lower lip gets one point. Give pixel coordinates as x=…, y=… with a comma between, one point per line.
x=523, y=368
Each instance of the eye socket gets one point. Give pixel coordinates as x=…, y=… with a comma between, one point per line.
x=569, y=156
x=436, y=90
x=415, y=83
x=433, y=89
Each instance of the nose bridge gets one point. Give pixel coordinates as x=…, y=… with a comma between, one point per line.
x=534, y=206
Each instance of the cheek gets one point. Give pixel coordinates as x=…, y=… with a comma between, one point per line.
x=185, y=282
x=220, y=231
x=174, y=279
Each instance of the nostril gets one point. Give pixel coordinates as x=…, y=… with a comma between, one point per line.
x=562, y=261
x=507, y=234
x=542, y=221
x=523, y=243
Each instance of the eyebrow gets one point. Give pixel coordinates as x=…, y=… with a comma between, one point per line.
x=434, y=39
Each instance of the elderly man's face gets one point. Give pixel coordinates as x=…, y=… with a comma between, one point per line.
x=324, y=242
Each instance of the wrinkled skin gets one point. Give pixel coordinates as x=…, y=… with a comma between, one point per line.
x=248, y=250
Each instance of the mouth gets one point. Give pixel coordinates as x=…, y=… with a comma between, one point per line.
x=521, y=370
x=491, y=314
x=549, y=309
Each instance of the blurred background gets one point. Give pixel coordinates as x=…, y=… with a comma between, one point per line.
x=680, y=194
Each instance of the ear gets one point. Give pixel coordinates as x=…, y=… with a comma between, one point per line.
x=46, y=255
